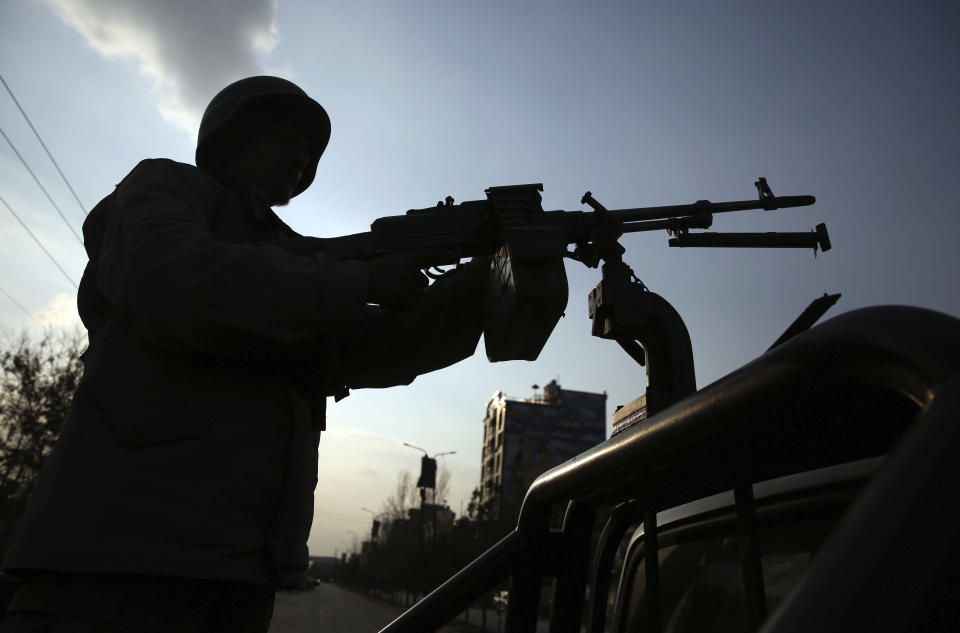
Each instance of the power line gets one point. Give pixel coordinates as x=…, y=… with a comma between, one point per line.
x=341, y=517
x=20, y=305
x=44, y=145
x=42, y=188
x=39, y=243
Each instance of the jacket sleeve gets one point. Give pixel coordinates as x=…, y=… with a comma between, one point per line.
x=182, y=288
x=393, y=348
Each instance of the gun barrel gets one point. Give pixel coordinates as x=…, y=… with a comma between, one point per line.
x=705, y=206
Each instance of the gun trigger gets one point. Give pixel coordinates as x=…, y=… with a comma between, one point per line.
x=440, y=272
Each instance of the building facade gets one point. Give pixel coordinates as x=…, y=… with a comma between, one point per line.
x=523, y=438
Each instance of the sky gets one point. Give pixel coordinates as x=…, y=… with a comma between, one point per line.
x=642, y=103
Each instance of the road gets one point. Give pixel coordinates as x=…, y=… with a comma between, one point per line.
x=331, y=608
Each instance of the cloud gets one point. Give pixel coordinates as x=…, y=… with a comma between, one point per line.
x=187, y=49
x=60, y=312
x=363, y=435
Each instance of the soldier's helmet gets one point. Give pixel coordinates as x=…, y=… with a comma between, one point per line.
x=241, y=110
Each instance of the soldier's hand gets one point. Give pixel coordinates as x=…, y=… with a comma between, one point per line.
x=396, y=280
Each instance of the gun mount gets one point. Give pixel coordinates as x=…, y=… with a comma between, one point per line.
x=642, y=322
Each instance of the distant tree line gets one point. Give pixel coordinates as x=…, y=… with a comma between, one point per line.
x=38, y=375
x=399, y=561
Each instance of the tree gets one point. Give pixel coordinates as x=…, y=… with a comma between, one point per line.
x=442, y=492
x=405, y=497
x=475, y=510
x=398, y=502
x=38, y=376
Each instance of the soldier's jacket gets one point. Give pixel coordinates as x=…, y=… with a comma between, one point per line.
x=191, y=448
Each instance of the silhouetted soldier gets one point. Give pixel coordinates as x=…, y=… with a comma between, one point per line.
x=180, y=494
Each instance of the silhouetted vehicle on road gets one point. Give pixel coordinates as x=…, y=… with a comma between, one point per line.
x=816, y=488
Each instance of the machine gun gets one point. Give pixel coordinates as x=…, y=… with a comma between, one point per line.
x=526, y=290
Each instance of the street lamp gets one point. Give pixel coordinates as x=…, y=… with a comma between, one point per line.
x=374, y=527
x=416, y=447
x=426, y=454
x=428, y=473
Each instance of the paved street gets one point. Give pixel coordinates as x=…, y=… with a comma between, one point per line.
x=331, y=608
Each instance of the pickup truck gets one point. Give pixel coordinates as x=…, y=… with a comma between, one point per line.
x=816, y=488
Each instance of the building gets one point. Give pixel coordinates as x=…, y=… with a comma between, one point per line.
x=523, y=438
